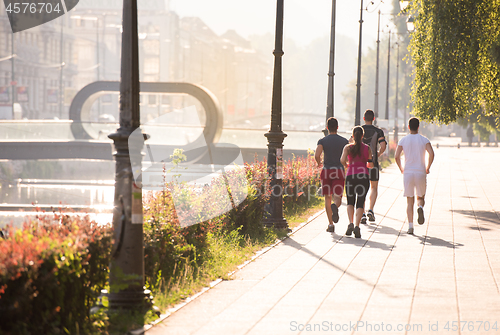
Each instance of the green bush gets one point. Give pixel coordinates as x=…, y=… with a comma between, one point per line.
x=52, y=270
x=176, y=254
x=51, y=273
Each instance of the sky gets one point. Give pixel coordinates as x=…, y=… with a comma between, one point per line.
x=303, y=21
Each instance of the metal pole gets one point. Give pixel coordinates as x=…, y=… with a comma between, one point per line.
x=397, y=89
x=98, y=72
x=388, y=73
x=127, y=263
x=61, y=86
x=331, y=72
x=405, y=98
x=357, y=119
x=375, y=107
x=225, y=80
x=98, y=62
x=104, y=47
x=275, y=136
x=13, y=75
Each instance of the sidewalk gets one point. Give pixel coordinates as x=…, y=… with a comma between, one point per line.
x=445, y=277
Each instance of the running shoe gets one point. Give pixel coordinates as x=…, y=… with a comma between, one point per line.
x=335, y=213
x=371, y=215
x=420, y=212
x=363, y=219
x=410, y=231
x=331, y=228
x=350, y=229
x=357, y=232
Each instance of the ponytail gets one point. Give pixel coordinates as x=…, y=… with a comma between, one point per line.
x=357, y=135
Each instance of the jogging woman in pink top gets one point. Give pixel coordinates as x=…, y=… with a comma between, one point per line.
x=357, y=157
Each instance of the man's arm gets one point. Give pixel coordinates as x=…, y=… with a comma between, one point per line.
x=397, y=156
x=317, y=154
x=370, y=158
x=383, y=146
x=429, y=149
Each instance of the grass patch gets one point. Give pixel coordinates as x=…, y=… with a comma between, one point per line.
x=225, y=253
x=298, y=215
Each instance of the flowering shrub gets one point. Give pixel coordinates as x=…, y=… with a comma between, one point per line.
x=170, y=249
x=301, y=181
x=51, y=272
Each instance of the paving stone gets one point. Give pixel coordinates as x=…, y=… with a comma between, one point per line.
x=449, y=271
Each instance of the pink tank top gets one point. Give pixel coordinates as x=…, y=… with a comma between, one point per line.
x=357, y=165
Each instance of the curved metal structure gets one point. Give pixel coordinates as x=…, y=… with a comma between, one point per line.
x=80, y=106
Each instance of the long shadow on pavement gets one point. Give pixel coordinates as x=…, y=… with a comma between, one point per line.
x=360, y=242
x=489, y=216
x=435, y=241
x=367, y=243
x=430, y=240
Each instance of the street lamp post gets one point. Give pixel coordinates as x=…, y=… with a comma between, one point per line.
x=388, y=73
x=396, y=129
x=61, y=77
x=331, y=72
x=127, y=263
x=275, y=136
x=375, y=107
x=13, y=74
x=357, y=119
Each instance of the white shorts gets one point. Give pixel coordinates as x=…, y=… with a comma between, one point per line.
x=414, y=182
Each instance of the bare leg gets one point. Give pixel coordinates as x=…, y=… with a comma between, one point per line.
x=350, y=213
x=328, y=204
x=337, y=199
x=421, y=201
x=373, y=193
x=359, y=214
x=409, y=208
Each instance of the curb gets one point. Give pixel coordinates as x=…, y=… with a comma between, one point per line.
x=214, y=283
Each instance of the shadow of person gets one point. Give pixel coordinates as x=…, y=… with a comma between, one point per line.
x=436, y=241
x=366, y=243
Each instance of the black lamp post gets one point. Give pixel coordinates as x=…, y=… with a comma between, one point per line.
x=375, y=107
x=275, y=136
x=331, y=71
x=396, y=128
x=388, y=77
x=127, y=263
x=357, y=119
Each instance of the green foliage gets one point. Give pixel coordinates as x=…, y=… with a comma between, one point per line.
x=455, y=50
x=52, y=270
x=51, y=273
x=180, y=259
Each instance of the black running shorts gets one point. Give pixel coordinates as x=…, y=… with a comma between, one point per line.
x=374, y=173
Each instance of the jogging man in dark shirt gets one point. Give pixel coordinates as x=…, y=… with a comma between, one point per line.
x=373, y=137
x=332, y=174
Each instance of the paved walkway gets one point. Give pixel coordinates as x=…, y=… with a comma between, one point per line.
x=443, y=280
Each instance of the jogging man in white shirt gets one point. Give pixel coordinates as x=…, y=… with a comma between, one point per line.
x=415, y=170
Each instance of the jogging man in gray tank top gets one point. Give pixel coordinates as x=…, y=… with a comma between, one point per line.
x=332, y=174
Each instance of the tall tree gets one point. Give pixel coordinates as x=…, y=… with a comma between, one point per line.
x=456, y=53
